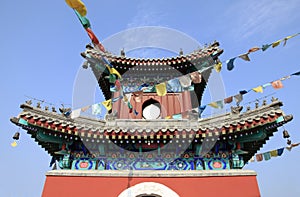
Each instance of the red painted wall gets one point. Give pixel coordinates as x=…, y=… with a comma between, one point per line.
x=171, y=104
x=235, y=186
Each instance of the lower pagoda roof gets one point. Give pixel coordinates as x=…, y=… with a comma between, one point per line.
x=229, y=126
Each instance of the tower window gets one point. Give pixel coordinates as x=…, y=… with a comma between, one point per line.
x=151, y=109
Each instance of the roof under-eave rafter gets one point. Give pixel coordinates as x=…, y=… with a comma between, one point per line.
x=264, y=117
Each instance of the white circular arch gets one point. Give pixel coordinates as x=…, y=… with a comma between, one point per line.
x=148, y=188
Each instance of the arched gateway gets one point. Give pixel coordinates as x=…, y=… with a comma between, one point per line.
x=148, y=189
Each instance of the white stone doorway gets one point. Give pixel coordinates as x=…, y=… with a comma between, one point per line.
x=148, y=189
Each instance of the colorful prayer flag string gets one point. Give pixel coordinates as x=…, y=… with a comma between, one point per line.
x=245, y=56
x=273, y=153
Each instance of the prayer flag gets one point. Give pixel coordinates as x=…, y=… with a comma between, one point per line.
x=174, y=85
x=196, y=77
x=137, y=96
x=243, y=92
x=127, y=97
x=185, y=81
x=265, y=47
x=201, y=110
x=92, y=36
x=253, y=49
x=220, y=104
x=288, y=37
x=135, y=112
x=116, y=99
x=238, y=98
x=266, y=85
x=83, y=109
x=267, y=156
x=217, y=104
x=218, y=67
x=177, y=116
x=113, y=88
x=280, y=151
x=161, y=89
x=229, y=63
x=130, y=107
x=277, y=84
x=168, y=117
x=258, y=89
x=52, y=161
x=245, y=57
x=114, y=71
x=75, y=113
x=14, y=144
x=275, y=44
x=112, y=78
x=228, y=100
x=96, y=109
x=107, y=104
x=259, y=157
x=274, y=153
x=286, y=77
x=252, y=159
x=213, y=104
x=296, y=73
x=78, y=6
x=83, y=20
x=118, y=85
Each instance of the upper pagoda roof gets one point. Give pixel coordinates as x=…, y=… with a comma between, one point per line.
x=223, y=127
x=165, y=68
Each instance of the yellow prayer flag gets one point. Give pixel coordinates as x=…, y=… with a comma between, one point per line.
x=78, y=5
x=218, y=67
x=107, y=104
x=14, y=144
x=274, y=153
x=168, y=117
x=108, y=68
x=288, y=37
x=114, y=71
x=275, y=44
x=258, y=89
x=214, y=105
x=161, y=89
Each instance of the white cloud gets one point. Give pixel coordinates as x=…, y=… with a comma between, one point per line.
x=147, y=15
x=254, y=17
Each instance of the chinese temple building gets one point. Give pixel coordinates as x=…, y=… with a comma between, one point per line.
x=153, y=141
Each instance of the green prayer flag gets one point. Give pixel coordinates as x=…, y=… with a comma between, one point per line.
x=265, y=47
x=112, y=78
x=83, y=20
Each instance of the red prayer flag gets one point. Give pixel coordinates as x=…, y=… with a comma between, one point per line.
x=253, y=49
x=228, y=100
x=259, y=157
x=92, y=36
x=137, y=96
x=196, y=77
x=277, y=84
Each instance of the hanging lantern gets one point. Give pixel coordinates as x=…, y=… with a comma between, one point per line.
x=286, y=134
x=16, y=136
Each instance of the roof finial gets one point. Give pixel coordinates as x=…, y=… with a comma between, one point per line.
x=181, y=51
x=123, y=53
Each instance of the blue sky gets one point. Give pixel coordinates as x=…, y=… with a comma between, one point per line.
x=41, y=42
